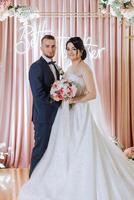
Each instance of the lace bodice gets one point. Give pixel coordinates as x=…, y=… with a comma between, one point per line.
x=79, y=82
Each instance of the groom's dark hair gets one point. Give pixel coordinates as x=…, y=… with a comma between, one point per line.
x=49, y=37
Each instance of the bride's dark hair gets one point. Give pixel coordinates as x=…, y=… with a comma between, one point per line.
x=78, y=44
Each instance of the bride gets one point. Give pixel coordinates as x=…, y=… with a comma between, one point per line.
x=80, y=163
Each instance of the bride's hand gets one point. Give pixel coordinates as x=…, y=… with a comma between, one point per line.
x=72, y=101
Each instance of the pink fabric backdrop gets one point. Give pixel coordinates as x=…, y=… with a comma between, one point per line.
x=114, y=69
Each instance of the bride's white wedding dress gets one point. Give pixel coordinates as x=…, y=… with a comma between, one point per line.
x=80, y=163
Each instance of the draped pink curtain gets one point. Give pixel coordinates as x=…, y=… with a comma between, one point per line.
x=20, y=47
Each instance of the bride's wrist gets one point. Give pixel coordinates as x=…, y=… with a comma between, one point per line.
x=75, y=100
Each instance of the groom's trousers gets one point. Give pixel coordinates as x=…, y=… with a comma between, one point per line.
x=42, y=135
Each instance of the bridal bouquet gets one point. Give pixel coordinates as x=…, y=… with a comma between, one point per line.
x=63, y=89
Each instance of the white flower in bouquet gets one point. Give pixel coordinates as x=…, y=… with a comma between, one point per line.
x=63, y=89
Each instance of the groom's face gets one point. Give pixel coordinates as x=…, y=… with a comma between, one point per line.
x=48, y=47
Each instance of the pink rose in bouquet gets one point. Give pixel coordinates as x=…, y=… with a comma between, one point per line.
x=63, y=89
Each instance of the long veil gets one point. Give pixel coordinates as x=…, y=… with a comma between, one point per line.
x=96, y=105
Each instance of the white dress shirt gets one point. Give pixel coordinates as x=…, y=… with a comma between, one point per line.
x=51, y=66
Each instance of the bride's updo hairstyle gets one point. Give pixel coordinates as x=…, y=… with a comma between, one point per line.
x=78, y=44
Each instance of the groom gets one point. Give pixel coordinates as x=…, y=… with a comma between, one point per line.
x=42, y=75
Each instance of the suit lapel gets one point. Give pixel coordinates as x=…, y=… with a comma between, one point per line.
x=57, y=73
x=47, y=68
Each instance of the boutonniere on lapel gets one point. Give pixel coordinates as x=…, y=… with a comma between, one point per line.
x=60, y=70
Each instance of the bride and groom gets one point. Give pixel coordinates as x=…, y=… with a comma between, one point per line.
x=71, y=159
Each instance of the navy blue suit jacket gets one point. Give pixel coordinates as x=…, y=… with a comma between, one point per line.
x=41, y=79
